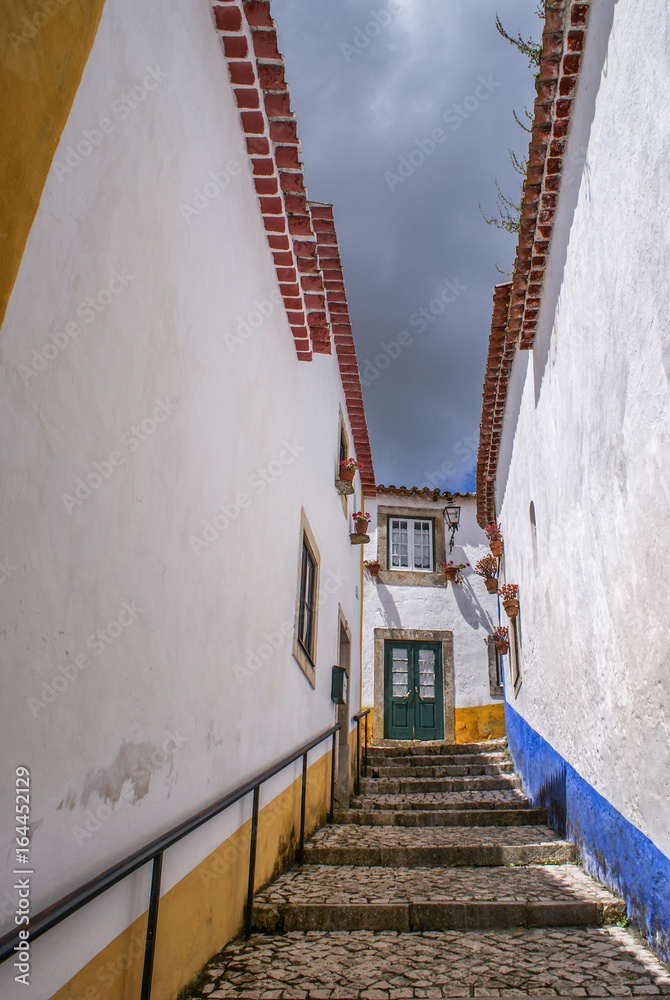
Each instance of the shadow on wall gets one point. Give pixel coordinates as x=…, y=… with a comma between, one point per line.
x=469, y=606
x=389, y=609
x=610, y=847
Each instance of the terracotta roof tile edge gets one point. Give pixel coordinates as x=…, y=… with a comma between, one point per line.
x=257, y=75
x=422, y=491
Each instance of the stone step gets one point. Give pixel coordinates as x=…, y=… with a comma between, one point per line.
x=512, y=798
x=442, y=817
x=438, y=760
x=439, y=771
x=351, y=898
x=395, y=786
x=413, y=748
x=570, y=961
x=410, y=847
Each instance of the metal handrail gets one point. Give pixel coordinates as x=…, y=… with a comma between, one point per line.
x=65, y=907
x=357, y=719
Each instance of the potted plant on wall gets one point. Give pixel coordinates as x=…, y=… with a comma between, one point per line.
x=361, y=520
x=494, y=535
x=510, y=599
x=488, y=567
x=348, y=468
x=454, y=571
x=501, y=639
x=372, y=566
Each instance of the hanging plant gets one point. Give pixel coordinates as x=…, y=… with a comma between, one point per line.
x=373, y=566
x=348, y=468
x=509, y=593
x=488, y=568
x=454, y=571
x=501, y=639
x=494, y=535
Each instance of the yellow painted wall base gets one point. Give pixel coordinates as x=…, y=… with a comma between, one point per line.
x=205, y=910
x=43, y=51
x=480, y=722
x=370, y=719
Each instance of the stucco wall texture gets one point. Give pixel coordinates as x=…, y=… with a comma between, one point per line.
x=586, y=435
x=154, y=473
x=466, y=609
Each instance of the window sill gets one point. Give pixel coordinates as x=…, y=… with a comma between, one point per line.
x=407, y=577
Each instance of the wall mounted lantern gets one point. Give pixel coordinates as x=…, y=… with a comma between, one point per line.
x=452, y=516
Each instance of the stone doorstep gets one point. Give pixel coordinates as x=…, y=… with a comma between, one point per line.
x=417, y=802
x=417, y=748
x=412, y=786
x=443, y=817
x=448, y=855
x=420, y=915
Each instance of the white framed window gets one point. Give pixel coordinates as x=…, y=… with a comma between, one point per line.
x=411, y=544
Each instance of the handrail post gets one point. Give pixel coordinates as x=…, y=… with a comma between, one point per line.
x=365, y=749
x=303, y=796
x=358, y=755
x=332, y=780
x=152, y=922
x=249, y=916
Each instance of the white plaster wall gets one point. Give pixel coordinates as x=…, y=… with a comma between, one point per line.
x=467, y=609
x=594, y=453
x=177, y=667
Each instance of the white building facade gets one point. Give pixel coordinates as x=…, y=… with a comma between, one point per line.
x=179, y=386
x=575, y=450
x=430, y=670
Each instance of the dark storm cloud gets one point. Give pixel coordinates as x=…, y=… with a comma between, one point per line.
x=406, y=205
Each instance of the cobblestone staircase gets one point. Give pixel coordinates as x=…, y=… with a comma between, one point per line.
x=440, y=880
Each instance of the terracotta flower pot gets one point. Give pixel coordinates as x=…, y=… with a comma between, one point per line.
x=511, y=607
x=451, y=572
x=347, y=475
x=491, y=584
x=373, y=570
x=502, y=647
x=362, y=527
x=496, y=548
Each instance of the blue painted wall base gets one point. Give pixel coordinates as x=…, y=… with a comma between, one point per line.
x=610, y=847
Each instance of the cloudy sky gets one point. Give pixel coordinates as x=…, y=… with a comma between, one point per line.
x=404, y=109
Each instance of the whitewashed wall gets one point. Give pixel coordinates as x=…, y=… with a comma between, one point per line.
x=593, y=452
x=179, y=684
x=467, y=609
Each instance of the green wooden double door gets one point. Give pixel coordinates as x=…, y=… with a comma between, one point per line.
x=413, y=690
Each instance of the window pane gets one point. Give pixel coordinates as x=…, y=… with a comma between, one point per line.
x=400, y=673
x=399, y=544
x=305, y=615
x=422, y=545
x=426, y=673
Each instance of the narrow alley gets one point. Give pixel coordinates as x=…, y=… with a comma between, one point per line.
x=441, y=880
